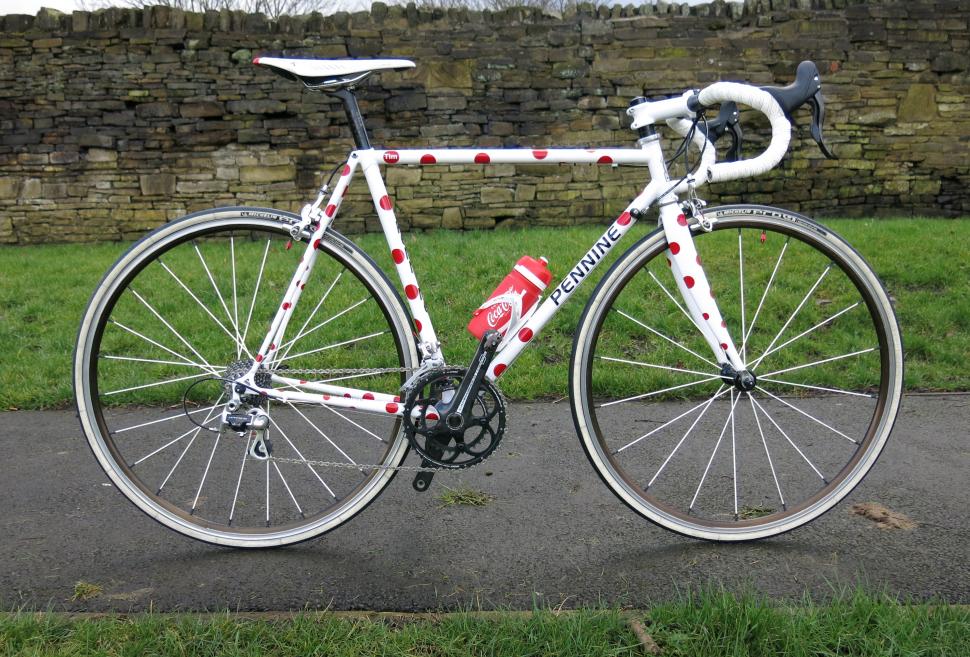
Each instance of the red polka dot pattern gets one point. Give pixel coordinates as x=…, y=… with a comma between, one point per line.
x=385, y=202
x=623, y=219
x=525, y=334
x=606, y=159
x=330, y=210
x=689, y=281
x=674, y=248
x=346, y=171
x=706, y=316
x=286, y=305
x=501, y=367
x=540, y=155
x=411, y=291
x=428, y=158
x=391, y=407
x=682, y=220
x=724, y=346
x=417, y=325
x=398, y=256
x=482, y=158
x=368, y=395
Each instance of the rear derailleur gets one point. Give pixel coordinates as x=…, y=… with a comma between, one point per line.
x=454, y=418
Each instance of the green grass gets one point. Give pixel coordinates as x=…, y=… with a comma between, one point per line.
x=43, y=291
x=702, y=625
x=463, y=496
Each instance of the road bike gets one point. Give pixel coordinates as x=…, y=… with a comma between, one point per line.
x=235, y=405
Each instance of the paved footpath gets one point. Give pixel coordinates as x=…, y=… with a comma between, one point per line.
x=553, y=534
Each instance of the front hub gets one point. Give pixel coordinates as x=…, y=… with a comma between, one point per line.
x=744, y=381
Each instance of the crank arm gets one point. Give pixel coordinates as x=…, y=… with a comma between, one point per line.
x=457, y=413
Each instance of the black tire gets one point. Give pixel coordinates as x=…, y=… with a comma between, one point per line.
x=132, y=371
x=658, y=423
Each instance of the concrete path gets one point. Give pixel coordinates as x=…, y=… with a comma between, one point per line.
x=552, y=535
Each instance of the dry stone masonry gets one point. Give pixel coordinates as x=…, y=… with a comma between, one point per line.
x=115, y=121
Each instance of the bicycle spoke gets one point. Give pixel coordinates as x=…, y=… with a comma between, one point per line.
x=164, y=419
x=287, y=346
x=764, y=442
x=165, y=446
x=734, y=401
x=790, y=441
x=205, y=474
x=287, y=486
x=734, y=461
x=185, y=451
x=658, y=392
x=820, y=362
x=235, y=495
x=807, y=331
x=235, y=298
x=325, y=436
x=344, y=417
x=668, y=339
x=666, y=424
x=676, y=303
x=234, y=338
x=151, y=360
x=659, y=367
x=822, y=388
x=744, y=358
x=809, y=416
x=156, y=384
x=259, y=280
x=204, y=365
x=796, y=311
x=333, y=346
x=706, y=405
x=764, y=295
x=300, y=456
x=321, y=325
x=168, y=326
x=216, y=288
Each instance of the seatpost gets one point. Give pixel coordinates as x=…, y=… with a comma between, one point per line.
x=354, y=118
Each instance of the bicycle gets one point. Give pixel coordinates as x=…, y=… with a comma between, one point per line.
x=725, y=419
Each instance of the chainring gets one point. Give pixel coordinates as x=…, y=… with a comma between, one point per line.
x=427, y=432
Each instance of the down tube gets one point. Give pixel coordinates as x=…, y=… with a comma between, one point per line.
x=561, y=293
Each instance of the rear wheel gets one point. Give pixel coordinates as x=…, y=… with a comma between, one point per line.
x=699, y=455
x=186, y=308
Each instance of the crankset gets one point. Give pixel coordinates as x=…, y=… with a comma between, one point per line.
x=455, y=418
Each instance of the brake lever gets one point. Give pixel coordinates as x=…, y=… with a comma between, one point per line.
x=734, y=152
x=727, y=121
x=817, y=105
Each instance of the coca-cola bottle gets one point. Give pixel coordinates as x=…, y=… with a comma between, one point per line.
x=513, y=298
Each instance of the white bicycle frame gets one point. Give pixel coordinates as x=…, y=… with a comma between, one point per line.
x=685, y=264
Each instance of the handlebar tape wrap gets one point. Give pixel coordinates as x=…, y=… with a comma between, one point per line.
x=762, y=101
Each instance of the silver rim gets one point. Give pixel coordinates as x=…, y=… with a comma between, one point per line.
x=180, y=308
x=700, y=457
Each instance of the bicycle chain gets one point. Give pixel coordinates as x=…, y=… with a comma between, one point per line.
x=374, y=466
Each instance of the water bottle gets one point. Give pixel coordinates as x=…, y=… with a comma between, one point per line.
x=513, y=298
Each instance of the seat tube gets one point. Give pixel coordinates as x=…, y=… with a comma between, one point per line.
x=687, y=269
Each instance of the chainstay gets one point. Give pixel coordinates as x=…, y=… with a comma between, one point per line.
x=339, y=371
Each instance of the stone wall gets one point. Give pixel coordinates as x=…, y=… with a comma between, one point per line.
x=113, y=122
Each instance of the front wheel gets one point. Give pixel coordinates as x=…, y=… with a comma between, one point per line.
x=182, y=313
x=700, y=455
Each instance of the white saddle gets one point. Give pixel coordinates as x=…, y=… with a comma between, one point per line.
x=329, y=74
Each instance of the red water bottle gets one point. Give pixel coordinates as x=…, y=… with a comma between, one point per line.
x=513, y=298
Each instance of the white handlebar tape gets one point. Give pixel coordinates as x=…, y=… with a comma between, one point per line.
x=755, y=98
